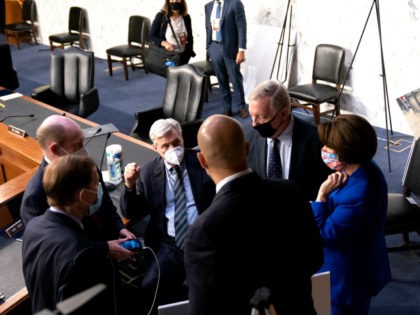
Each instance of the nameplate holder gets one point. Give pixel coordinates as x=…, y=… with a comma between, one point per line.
x=17, y=131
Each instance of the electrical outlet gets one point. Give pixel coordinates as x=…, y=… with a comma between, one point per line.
x=15, y=228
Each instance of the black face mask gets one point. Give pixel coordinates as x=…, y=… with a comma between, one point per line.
x=265, y=129
x=175, y=6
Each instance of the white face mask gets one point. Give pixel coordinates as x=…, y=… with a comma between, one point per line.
x=174, y=156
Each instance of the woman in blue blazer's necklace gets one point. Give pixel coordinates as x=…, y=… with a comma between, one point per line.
x=350, y=211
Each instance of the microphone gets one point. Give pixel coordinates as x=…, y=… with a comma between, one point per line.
x=103, y=152
x=93, y=135
x=11, y=116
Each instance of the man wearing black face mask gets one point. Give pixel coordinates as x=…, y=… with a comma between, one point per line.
x=277, y=132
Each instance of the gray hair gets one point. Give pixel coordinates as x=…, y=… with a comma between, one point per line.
x=162, y=126
x=276, y=90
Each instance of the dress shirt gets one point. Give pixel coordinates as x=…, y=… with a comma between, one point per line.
x=285, y=148
x=226, y=180
x=170, y=200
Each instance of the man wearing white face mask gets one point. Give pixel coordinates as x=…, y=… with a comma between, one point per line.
x=150, y=190
x=59, y=136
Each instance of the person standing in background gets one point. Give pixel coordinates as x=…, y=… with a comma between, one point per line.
x=226, y=45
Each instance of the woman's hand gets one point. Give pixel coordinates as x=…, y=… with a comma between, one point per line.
x=167, y=45
x=333, y=181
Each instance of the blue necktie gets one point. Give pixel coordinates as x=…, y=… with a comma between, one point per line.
x=218, y=14
x=181, y=223
x=274, y=162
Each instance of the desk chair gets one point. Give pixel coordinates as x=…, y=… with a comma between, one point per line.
x=8, y=74
x=183, y=100
x=138, y=37
x=26, y=28
x=328, y=67
x=403, y=214
x=206, y=67
x=71, y=85
x=75, y=30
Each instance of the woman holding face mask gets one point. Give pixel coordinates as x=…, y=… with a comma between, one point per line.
x=172, y=29
x=350, y=210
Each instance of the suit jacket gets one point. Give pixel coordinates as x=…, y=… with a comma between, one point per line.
x=149, y=196
x=232, y=26
x=306, y=166
x=59, y=260
x=105, y=224
x=158, y=31
x=352, y=226
x=257, y=232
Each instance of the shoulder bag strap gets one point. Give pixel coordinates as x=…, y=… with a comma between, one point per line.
x=172, y=29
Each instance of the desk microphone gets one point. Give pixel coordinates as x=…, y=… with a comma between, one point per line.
x=11, y=116
x=93, y=135
x=103, y=152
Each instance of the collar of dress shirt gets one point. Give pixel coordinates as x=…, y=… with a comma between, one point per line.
x=226, y=180
x=56, y=210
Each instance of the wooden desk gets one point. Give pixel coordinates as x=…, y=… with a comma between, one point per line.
x=28, y=152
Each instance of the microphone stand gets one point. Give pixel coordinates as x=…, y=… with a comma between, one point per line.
x=384, y=82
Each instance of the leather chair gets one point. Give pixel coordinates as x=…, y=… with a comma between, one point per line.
x=138, y=37
x=206, y=67
x=328, y=67
x=403, y=214
x=8, y=75
x=75, y=30
x=183, y=100
x=26, y=29
x=71, y=83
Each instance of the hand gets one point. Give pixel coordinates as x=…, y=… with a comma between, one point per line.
x=124, y=233
x=118, y=252
x=167, y=45
x=131, y=174
x=240, y=57
x=333, y=181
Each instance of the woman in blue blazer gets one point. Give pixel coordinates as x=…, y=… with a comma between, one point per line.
x=350, y=211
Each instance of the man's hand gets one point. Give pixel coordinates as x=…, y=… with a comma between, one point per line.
x=131, y=174
x=118, y=252
x=126, y=234
x=240, y=57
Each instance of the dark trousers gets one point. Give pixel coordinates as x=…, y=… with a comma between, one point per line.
x=227, y=71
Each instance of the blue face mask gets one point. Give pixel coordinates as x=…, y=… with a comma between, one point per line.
x=95, y=207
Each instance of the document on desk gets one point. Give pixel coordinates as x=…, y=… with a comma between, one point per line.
x=6, y=95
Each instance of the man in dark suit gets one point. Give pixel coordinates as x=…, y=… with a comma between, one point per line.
x=150, y=190
x=58, y=136
x=256, y=233
x=299, y=145
x=59, y=259
x=226, y=44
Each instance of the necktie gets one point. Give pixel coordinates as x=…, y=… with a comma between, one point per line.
x=181, y=223
x=218, y=15
x=274, y=162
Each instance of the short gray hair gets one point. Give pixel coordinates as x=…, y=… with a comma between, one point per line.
x=276, y=90
x=162, y=126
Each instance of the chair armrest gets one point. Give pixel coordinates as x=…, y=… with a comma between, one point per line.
x=144, y=120
x=89, y=102
x=43, y=94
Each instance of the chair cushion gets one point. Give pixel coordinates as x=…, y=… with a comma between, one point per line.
x=18, y=27
x=124, y=51
x=315, y=93
x=64, y=38
x=402, y=216
x=204, y=67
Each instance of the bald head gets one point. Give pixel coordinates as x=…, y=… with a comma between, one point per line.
x=222, y=143
x=57, y=132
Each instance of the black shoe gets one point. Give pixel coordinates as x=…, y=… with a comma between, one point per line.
x=227, y=112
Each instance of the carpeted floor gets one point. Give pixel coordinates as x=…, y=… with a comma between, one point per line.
x=120, y=99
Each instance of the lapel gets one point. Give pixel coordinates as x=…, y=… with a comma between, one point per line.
x=298, y=147
x=226, y=5
x=194, y=174
x=158, y=182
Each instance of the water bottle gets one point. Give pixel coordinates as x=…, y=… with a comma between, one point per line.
x=114, y=163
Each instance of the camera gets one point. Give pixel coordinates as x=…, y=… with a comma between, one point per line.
x=132, y=244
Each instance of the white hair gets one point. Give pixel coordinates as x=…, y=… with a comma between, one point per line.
x=162, y=126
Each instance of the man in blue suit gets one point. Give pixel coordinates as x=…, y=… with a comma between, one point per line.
x=226, y=44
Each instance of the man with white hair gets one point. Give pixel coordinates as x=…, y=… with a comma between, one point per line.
x=152, y=190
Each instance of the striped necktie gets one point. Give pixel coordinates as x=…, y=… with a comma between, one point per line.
x=181, y=223
x=274, y=163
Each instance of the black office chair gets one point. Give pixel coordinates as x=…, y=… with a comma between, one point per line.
x=8, y=74
x=403, y=212
x=72, y=82
x=25, y=29
x=328, y=67
x=74, y=35
x=183, y=101
x=206, y=67
x=138, y=37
